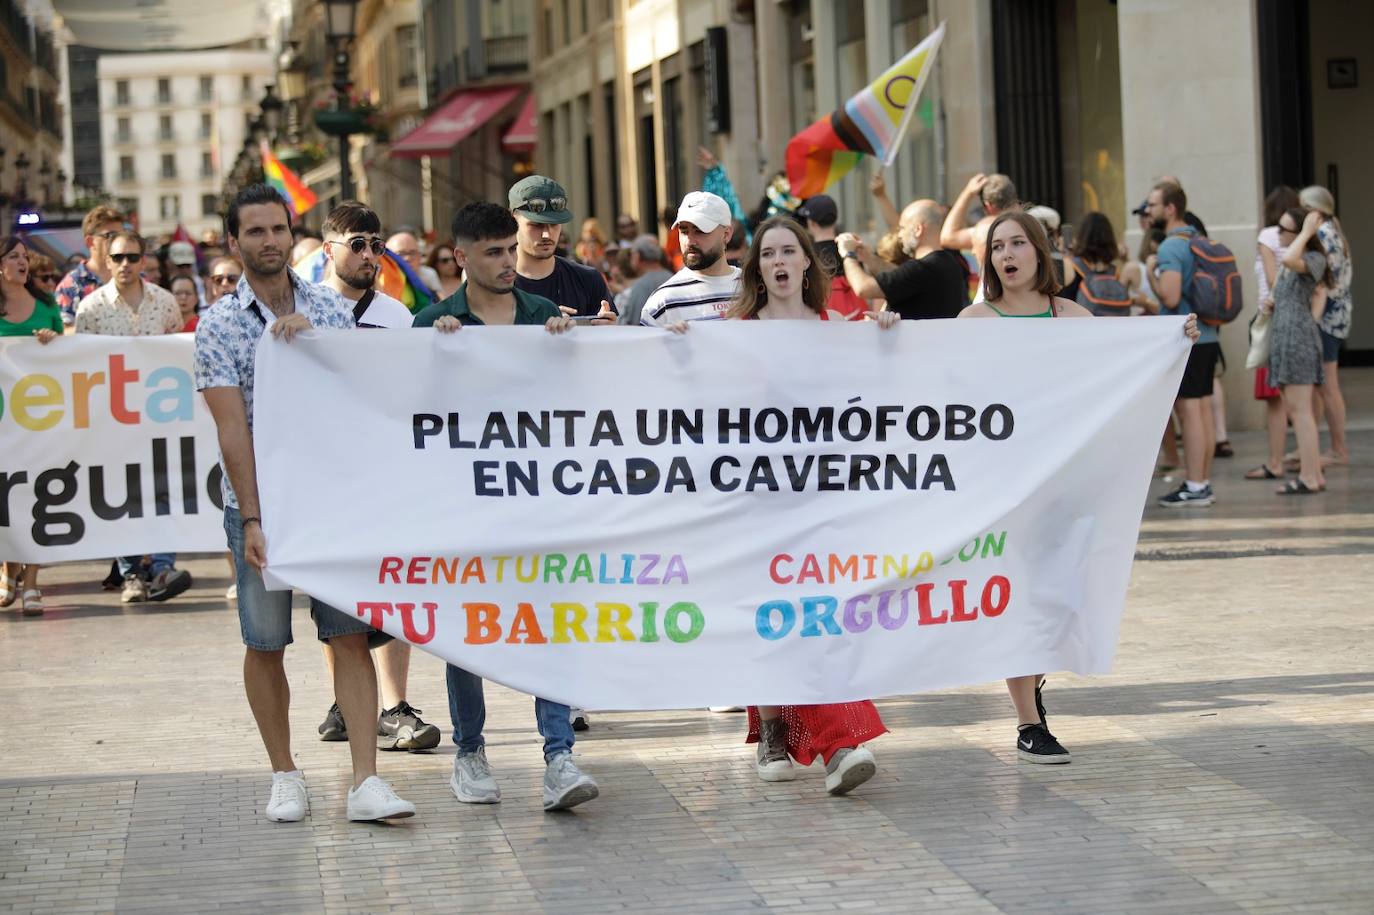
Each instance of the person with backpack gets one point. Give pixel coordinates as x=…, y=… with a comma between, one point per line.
x=1172, y=273
x=1091, y=277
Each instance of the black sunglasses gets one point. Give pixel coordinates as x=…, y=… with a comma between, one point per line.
x=1284, y=228
x=129, y=258
x=224, y=278
x=540, y=204
x=49, y=277
x=358, y=244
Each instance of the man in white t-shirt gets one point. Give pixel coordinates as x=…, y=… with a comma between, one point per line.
x=706, y=286
x=354, y=248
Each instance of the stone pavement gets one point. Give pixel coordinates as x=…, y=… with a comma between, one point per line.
x=1225, y=765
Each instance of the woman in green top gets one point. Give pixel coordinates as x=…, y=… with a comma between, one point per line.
x=25, y=311
x=1019, y=282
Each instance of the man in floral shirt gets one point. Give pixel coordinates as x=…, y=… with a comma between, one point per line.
x=100, y=226
x=271, y=298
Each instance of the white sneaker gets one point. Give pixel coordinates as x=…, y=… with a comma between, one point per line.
x=472, y=781
x=374, y=800
x=848, y=769
x=232, y=592
x=565, y=785
x=289, y=802
x=724, y=708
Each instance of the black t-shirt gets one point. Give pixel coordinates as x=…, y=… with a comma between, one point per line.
x=933, y=286
x=570, y=284
x=828, y=253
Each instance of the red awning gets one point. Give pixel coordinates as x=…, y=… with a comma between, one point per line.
x=524, y=133
x=455, y=119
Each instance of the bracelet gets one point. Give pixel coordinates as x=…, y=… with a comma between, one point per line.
x=852, y=254
x=245, y=521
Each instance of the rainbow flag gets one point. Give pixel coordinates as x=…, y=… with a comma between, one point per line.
x=872, y=123
x=398, y=280
x=299, y=198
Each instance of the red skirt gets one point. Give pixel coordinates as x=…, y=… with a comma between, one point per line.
x=820, y=730
x=1262, y=389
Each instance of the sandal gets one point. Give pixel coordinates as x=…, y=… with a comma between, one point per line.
x=33, y=602
x=9, y=590
x=1262, y=472
x=1223, y=450
x=1297, y=488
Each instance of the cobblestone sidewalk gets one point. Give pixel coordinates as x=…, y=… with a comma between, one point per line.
x=1224, y=766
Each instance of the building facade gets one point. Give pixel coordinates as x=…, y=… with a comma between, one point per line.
x=386, y=68
x=1084, y=103
x=30, y=116
x=172, y=125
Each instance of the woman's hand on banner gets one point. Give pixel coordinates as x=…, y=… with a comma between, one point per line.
x=46, y=335
x=886, y=319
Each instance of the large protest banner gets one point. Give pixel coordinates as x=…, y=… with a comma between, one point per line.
x=106, y=450
x=754, y=512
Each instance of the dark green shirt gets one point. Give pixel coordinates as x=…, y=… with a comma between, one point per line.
x=529, y=309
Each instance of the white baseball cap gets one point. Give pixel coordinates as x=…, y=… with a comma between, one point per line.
x=704, y=210
x=181, y=253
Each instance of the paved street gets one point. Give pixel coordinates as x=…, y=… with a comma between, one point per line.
x=1226, y=765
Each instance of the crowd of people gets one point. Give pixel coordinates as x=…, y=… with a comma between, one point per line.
x=989, y=255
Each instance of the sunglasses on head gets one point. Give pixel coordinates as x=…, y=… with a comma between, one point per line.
x=224, y=278
x=540, y=204
x=358, y=244
x=130, y=257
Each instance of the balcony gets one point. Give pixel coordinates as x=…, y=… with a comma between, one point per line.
x=507, y=54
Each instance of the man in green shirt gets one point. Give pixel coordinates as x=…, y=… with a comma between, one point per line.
x=485, y=247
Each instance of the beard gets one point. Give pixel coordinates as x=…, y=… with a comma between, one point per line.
x=1159, y=224
x=361, y=279
x=263, y=266
x=702, y=260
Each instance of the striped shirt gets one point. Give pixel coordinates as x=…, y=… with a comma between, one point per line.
x=691, y=296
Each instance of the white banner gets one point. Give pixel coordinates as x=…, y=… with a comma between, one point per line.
x=755, y=512
x=106, y=450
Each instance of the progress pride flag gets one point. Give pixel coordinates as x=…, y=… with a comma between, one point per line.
x=755, y=512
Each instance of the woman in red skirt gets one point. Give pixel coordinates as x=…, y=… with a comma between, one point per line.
x=783, y=280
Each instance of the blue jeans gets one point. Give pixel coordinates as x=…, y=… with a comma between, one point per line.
x=161, y=563
x=467, y=708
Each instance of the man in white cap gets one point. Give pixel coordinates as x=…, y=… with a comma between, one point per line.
x=182, y=256
x=707, y=285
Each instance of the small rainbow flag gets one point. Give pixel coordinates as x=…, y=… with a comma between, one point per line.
x=299, y=198
x=872, y=123
x=398, y=280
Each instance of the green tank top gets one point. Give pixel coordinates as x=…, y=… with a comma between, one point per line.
x=1049, y=312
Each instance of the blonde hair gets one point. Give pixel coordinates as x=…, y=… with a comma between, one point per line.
x=1316, y=197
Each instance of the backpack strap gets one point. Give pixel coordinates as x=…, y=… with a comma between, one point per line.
x=360, y=308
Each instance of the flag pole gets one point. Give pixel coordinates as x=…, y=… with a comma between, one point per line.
x=915, y=97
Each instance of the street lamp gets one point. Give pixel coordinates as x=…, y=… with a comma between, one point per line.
x=21, y=174
x=271, y=107
x=340, y=21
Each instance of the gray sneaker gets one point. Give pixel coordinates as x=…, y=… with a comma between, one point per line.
x=848, y=769
x=565, y=785
x=772, y=763
x=472, y=781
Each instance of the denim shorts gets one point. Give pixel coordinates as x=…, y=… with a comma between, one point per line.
x=265, y=616
x=1331, y=347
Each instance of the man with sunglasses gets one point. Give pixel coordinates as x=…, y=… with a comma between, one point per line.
x=224, y=278
x=540, y=208
x=99, y=226
x=129, y=305
x=353, y=249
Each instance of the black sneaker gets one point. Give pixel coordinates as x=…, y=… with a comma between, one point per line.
x=333, y=727
x=580, y=721
x=400, y=728
x=168, y=584
x=1035, y=743
x=1183, y=496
